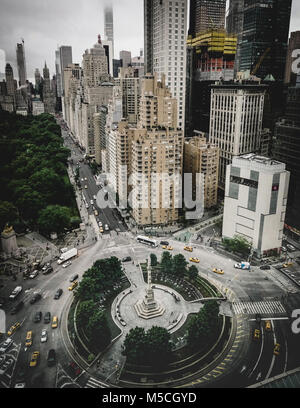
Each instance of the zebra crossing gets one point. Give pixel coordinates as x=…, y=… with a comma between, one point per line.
x=92, y=383
x=264, y=307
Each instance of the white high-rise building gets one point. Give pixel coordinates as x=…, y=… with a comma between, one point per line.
x=255, y=202
x=236, y=116
x=165, y=28
x=109, y=26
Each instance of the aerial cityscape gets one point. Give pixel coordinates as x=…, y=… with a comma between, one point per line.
x=150, y=200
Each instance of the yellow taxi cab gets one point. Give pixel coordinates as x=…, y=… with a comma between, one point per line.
x=218, y=271
x=287, y=265
x=195, y=260
x=28, y=342
x=34, y=359
x=73, y=286
x=55, y=322
x=168, y=248
x=189, y=249
x=13, y=328
x=268, y=325
x=256, y=334
x=277, y=349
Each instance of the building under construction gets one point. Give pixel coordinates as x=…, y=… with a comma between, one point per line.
x=211, y=57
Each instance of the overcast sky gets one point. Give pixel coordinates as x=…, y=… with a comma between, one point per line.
x=45, y=24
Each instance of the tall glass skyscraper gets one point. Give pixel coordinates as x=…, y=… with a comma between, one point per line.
x=21, y=63
x=265, y=36
x=109, y=25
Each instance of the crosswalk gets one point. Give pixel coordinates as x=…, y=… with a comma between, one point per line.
x=252, y=308
x=92, y=383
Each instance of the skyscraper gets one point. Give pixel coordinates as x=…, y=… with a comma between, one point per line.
x=48, y=96
x=265, y=36
x=165, y=29
x=236, y=121
x=125, y=57
x=38, y=79
x=65, y=58
x=109, y=25
x=21, y=63
x=206, y=14
x=234, y=25
x=94, y=64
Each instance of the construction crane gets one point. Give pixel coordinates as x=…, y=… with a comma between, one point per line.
x=260, y=61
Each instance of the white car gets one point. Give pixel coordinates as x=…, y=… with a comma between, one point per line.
x=33, y=275
x=20, y=385
x=100, y=224
x=82, y=180
x=106, y=227
x=87, y=206
x=95, y=197
x=44, y=336
x=85, y=179
x=5, y=346
x=67, y=264
x=92, y=202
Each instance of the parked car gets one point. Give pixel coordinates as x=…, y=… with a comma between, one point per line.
x=33, y=275
x=45, y=267
x=58, y=294
x=48, y=271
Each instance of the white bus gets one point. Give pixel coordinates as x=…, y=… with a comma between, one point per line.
x=147, y=241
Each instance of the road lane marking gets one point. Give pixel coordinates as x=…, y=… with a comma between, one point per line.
x=273, y=359
x=260, y=354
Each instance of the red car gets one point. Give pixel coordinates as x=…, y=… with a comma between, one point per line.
x=75, y=369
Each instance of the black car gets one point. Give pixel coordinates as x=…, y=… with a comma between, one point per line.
x=48, y=271
x=47, y=318
x=258, y=318
x=37, y=317
x=51, y=359
x=58, y=294
x=164, y=243
x=35, y=298
x=127, y=259
x=74, y=278
x=17, y=308
x=265, y=268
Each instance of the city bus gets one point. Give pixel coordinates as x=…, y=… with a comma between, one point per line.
x=147, y=241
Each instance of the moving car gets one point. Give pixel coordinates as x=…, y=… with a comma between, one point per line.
x=291, y=248
x=86, y=187
x=51, y=359
x=6, y=345
x=37, y=317
x=67, y=264
x=96, y=213
x=45, y=267
x=218, y=271
x=48, y=271
x=127, y=259
x=44, y=336
x=164, y=243
x=73, y=286
x=28, y=342
x=100, y=225
x=268, y=325
x=256, y=334
x=265, y=268
x=33, y=275
x=106, y=227
x=168, y=248
x=74, y=278
x=189, y=249
x=92, y=202
x=36, y=297
x=195, y=260
x=243, y=266
x=13, y=329
x=277, y=349
x=34, y=359
x=287, y=265
x=54, y=322
x=58, y=294
x=101, y=230
x=47, y=318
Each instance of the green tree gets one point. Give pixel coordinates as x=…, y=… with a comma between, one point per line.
x=179, y=265
x=54, y=218
x=134, y=346
x=84, y=311
x=159, y=346
x=98, y=331
x=153, y=258
x=87, y=290
x=8, y=214
x=166, y=263
x=192, y=272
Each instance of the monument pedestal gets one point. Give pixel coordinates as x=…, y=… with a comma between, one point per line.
x=9, y=241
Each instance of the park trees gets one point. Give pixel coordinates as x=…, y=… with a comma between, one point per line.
x=54, y=218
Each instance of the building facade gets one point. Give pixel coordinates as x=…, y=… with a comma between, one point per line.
x=234, y=25
x=48, y=96
x=125, y=58
x=201, y=157
x=236, y=121
x=21, y=62
x=206, y=15
x=165, y=29
x=294, y=44
x=109, y=26
x=255, y=202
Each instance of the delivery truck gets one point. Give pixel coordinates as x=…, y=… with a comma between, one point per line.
x=67, y=256
x=15, y=293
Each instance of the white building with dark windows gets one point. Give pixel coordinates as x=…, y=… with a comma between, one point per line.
x=165, y=34
x=255, y=204
x=236, y=117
